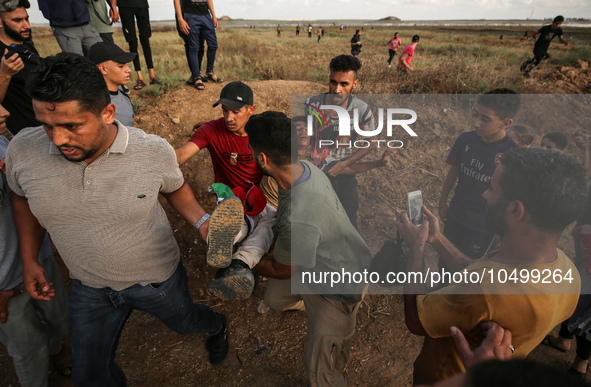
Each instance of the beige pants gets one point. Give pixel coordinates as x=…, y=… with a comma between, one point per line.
x=331, y=326
x=257, y=243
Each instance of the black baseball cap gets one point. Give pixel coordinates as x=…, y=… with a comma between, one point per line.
x=235, y=95
x=104, y=51
x=11, y=5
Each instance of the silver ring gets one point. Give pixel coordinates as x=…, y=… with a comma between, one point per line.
x=512, y=348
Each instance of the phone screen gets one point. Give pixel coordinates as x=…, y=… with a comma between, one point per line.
x=415, y=207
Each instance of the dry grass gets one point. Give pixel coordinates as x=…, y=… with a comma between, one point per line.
x=446, y=60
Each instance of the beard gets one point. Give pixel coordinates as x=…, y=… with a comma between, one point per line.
x=263, y=171
x=16, y=35
x=495, y=217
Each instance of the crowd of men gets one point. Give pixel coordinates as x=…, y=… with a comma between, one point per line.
x=78, y=172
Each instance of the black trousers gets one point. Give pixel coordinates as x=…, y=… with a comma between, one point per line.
x=129, y=16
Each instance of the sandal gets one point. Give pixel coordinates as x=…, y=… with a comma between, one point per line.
x=199, y=84
x=578, y=374
x=139, y=84
x=214, y=78
x=155, y=81
x=62, y=361
x=548, y=341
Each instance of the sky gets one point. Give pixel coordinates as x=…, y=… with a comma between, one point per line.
x=375, y=9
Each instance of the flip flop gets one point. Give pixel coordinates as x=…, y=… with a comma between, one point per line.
x=548, y=341
x=214, y=78
x=199, y=84
x=139, y=84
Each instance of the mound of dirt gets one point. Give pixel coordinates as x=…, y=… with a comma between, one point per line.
x=225, y=18
x=571, y=79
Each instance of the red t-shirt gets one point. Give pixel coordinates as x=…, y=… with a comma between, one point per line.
x=232, y=160
x=410, y=50
x=394, y=43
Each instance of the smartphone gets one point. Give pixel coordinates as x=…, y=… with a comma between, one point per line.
x=415, y=207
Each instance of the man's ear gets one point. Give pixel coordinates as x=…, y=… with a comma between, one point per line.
x=355, y=83
x=507, y=122
x=263, y=160
x=108, y=113
x=515, y=211
x=102, y=68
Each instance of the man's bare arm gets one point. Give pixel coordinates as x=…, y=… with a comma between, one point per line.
x=210, y=6
x=561, y=39
x=8, y=68
x=183, y=25
x=30, y=237
x=365, y=166
x=185, y=152
x=184, y=202
x=269, y=267
x=415, y=238
x=450, y=180
x=114, y=13
x=454, y=259
x=341, y=166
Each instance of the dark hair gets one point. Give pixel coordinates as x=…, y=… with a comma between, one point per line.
x=519, y=372
x=550, y=184
x=70, y=77
x=345, y=63
x=299, y=119
x=525, y=134
x=416, y=38
x=504, y=102
x=559, y=139
x=356, y=32
x=558, y=19
x=270, y=133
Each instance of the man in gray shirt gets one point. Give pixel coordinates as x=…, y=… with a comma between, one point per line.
x=112, y=62
x=93, y=184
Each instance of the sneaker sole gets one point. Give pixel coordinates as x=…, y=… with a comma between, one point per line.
x=232, y=287
x=225, y=223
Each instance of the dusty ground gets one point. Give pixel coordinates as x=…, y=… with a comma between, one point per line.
x=383, y=351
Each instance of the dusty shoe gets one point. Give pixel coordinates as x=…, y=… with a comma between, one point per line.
x=225, y=223
x=217, y=345
x=235, y=281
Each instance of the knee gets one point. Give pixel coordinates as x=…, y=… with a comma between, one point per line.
x=213, y=46
x=130, y=38
x=145, y=40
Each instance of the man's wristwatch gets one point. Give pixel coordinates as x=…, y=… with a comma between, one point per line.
x=201, y=221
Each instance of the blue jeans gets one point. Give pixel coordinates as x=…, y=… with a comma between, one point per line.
x=97, y=317
x=201, y=25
